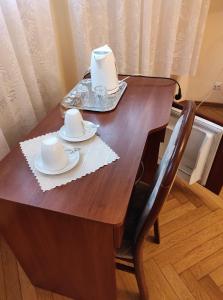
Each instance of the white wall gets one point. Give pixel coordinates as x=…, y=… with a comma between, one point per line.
x=210, y=67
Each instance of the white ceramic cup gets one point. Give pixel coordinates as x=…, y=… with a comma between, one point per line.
x=53, y=154
x=73, y=123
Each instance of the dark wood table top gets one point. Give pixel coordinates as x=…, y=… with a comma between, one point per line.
x=104, y=195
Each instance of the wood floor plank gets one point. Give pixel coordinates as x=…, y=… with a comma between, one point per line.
x=208, y=265
x=175, y=213
x=184, y=220
x=184, y=233
x=178, y=252
x=170, y=196
x=217, y=276
x=59, y=297
x=27, y=289
x=43, y=294
x=199, y=253
x=178, y=194
x=211, y=200
x=159, y=289
x=177, y=284
x=193, y=285
x=9, y=263
x=169, y=205
x=211, y=288
x=181, y=192
x=126, y=286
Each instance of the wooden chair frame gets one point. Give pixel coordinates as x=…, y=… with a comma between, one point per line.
x=168, y=177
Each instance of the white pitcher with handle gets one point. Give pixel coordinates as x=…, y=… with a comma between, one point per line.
x=103, y=69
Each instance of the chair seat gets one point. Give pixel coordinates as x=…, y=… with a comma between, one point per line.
x=136, y=205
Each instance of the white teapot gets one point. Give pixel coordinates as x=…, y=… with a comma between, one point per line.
x=103, y=69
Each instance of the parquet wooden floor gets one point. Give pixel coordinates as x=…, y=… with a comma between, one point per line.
x=188, y=264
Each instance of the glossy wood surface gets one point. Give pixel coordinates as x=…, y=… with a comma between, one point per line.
x=57, y=236
x=103, y=196
x=59, y=252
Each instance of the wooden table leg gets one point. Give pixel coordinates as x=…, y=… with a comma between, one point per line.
x=61, y=253
x=151, y=153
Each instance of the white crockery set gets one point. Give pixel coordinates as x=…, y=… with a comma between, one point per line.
x=54, y=157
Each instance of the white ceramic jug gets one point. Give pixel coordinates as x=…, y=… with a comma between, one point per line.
x=103, y=69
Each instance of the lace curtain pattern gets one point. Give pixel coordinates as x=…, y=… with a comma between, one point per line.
x=151, y=37
x=30, y=83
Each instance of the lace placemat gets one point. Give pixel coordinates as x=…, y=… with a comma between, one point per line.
x=94, y=154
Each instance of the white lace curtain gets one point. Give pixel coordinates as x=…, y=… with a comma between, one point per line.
x=29, y=75
x=152, y=37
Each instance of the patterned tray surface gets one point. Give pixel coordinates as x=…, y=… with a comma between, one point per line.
x=94, y=104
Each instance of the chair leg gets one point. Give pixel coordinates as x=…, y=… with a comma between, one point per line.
x=141, y=281
x=156, y=232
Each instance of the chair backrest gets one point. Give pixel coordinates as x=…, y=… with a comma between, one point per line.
x=166, y=172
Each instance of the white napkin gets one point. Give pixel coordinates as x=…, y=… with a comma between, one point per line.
x=94, y=154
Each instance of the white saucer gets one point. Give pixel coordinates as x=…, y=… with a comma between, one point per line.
x=73, y=159
x=89, y=131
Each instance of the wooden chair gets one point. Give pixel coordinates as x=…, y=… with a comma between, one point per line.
x=146, y=203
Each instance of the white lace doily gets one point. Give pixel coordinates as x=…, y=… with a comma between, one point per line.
x=94, y=154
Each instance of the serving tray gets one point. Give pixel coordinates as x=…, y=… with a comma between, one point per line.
x=93, y=104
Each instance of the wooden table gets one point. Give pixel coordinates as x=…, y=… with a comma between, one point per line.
x=65, y=239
